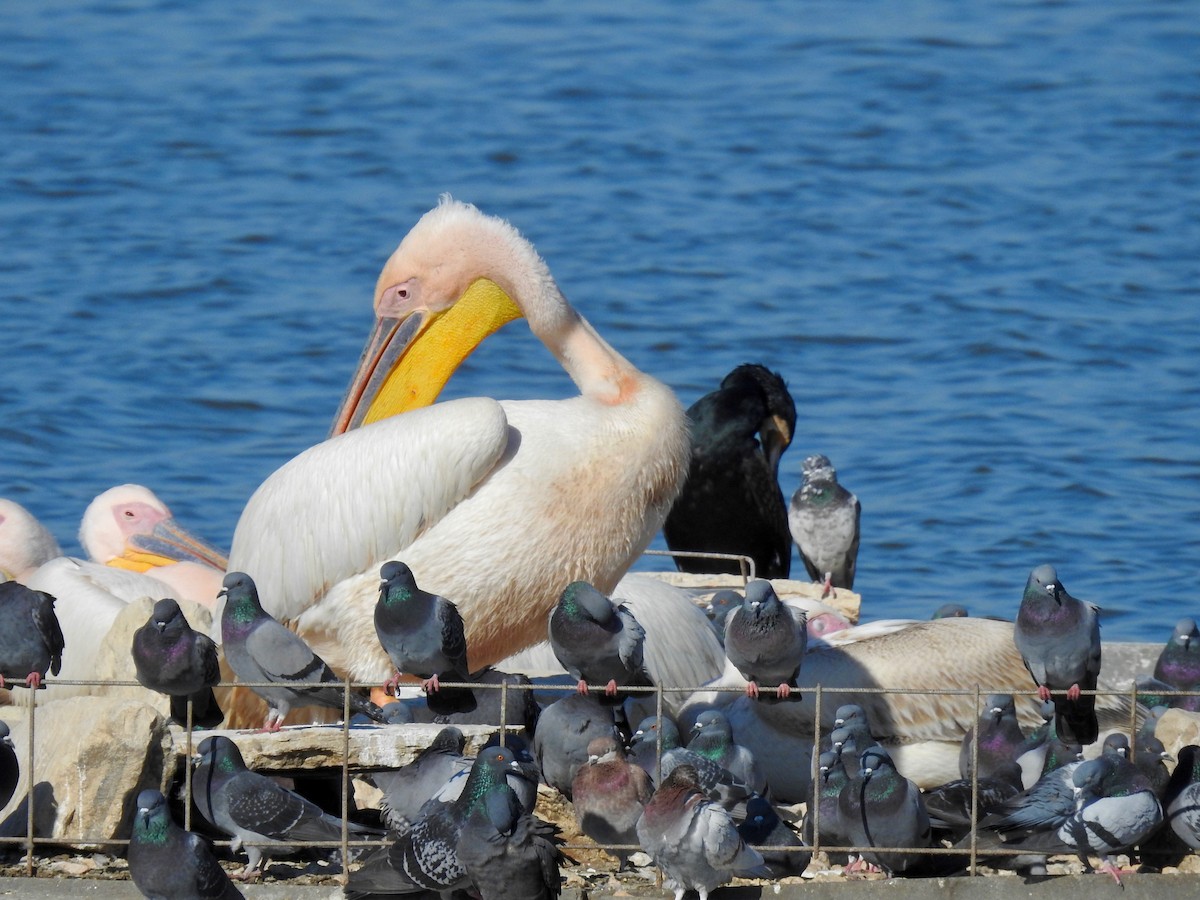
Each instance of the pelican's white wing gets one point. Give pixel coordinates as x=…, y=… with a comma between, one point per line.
x=356, y=500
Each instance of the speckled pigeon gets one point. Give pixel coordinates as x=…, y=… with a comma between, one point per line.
x=693, y=840
x=31, y=641
x=249, y=806
x=824, y=521
x=260, y=649
x=168, y=863
x=766, y=639
x=426, y=856
x=172, y=658
x=1058, y=637
x=422, y=633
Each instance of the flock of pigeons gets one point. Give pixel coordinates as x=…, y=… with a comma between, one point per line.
x=683, y=792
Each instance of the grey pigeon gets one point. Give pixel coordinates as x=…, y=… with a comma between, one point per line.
x=168, y=863
x=731, y=502
x=1058, y=637
x=1182, y=797
x=882, y=808
x=847, y=744
x=407, y=789
x=10, y=768
x=1000, y=738
x=712, y=737
x=565, y=729
x=1178, y=665
x=851, y=719
x=608, y=795
x=821, y=819
x=1111, y=807
x=596, y=640
x=422, y=633
x=718, y=608
x=824, y=521
x=1151, y=759
x=507, y=853
x=653, y=737
x=172, y=658
x=426, y=856
x=763, y=829
x=260, y=649
x=693, y=840
x=250, y=807
x=31, y=641
x=765, y=640
x=950, y=611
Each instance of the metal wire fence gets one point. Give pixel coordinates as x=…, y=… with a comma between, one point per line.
x=822, y=697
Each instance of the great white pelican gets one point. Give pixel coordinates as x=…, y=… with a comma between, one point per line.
x=496, y=505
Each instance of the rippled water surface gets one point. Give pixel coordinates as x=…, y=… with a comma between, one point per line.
x=967, y=234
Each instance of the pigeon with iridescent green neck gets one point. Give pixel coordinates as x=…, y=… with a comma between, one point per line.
x=598, y=641
x=422, y=633
x=882, y=808
x=824, y=521
x=260, y=650
x=168, y=863
x=1058, y=637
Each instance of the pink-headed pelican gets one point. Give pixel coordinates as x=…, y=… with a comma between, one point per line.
x=496, y=505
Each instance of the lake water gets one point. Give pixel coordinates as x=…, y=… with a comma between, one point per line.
x=968, y=235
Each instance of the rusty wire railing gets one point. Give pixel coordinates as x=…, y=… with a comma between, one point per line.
x=977, y=693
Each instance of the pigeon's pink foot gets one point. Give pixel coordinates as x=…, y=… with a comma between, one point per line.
x=1111, y=869
x=431, y=684
x=1073, y=692
x=33, y=680
x=271, y=725
x=827, y=588
x=752, y=690
x=785, y=691
x=392, y=685
x=3, y=684
x=582, y=687
x=1043, y=693
x=611, y=688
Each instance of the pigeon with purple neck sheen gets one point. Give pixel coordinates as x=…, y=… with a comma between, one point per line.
x=1058, y=638
x=422, y=633
x=168, y=863
x=260, y=649
x=1000, y=737
x=31, y=641
x=824, y=521
x=693, y=840
x=1178, y=665
x=608, y=795
x=172, y=658
x=765, y=640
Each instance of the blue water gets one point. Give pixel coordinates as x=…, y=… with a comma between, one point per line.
x=967, y=234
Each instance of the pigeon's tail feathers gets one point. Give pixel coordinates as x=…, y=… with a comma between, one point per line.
x=206, y=713
x=1076, y=720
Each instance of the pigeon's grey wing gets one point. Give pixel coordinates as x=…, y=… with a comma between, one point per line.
x=258, y=804
x=210, y=879
x=723, y=846
x=633, y=640
x=454, y=640
x=283, y=655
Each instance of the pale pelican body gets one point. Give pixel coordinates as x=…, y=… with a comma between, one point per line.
x=494, y=505
x=25, y=543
